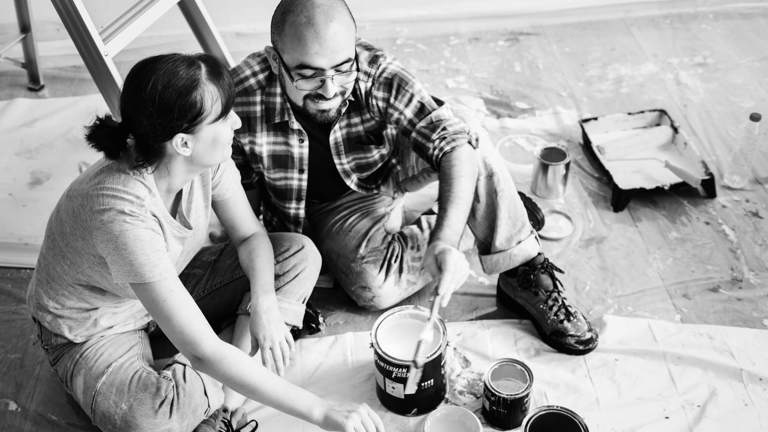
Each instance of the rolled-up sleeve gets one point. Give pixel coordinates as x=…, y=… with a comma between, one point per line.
x=431, y=127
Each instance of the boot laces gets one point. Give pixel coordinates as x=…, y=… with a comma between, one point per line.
x=555, y=297
x=227, y=426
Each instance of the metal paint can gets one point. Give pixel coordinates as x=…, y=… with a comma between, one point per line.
x=550, y=173
x=507, y=393
x=554, y=418
x=393, y=337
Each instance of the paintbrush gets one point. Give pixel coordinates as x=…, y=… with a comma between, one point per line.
x=419, y=356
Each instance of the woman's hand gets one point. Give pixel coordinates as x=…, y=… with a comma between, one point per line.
x=271, y=336
x=351, y=417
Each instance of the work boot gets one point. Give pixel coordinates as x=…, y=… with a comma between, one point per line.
x=534, y=290
x=313, y=323
x=223, y=421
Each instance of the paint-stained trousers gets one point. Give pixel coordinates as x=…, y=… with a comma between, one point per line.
x=373, y=244
x=114, y=378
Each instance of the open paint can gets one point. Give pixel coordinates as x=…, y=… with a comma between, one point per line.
x=554, y=418
x=394, y=337
x=507, y=393
x=452, y=418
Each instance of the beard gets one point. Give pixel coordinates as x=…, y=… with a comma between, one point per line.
x=321, y=116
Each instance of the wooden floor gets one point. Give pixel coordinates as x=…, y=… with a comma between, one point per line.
x=671, y=254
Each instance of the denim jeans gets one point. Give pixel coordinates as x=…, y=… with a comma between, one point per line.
x=378, y=262
x=114, y=378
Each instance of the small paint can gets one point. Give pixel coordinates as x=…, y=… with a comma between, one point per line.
x=394, y=337
x=550, y=173
x=452, y=418
x=507, y=393
x=554, y=418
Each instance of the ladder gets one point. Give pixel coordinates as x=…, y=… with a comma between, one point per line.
x=28, y=46
x=98, y=48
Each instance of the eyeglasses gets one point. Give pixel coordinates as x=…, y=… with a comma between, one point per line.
x=317, y=82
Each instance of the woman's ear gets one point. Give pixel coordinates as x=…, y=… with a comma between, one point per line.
x=182, y=144
x=274, y=62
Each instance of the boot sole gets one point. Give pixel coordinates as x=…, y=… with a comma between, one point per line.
x=507, y=301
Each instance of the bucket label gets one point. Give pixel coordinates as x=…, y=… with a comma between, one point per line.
x=394, y=388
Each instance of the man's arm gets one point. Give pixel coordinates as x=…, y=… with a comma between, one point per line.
x=457, y=176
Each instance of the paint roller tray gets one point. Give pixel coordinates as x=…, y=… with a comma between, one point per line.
x=644, y=150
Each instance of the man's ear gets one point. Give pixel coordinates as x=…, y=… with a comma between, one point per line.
x=274, y=62
x=182, y=144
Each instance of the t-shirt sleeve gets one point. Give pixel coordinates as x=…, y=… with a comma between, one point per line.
x=130, y=240
x=225, y=180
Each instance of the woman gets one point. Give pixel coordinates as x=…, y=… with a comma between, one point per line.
x=123, y=276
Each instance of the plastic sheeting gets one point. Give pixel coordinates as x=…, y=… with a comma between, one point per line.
x=646, y=375
x=43, y=151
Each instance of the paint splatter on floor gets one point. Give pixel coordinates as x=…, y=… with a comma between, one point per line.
x=9, y=405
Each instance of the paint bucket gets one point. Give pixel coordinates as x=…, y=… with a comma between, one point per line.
x=394, y=336
x=554, y=418
x=507, y=393
x=452, y=418
x=550, y=172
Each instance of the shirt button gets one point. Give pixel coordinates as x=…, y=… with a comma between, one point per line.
x=302, y=170
x=301, y=140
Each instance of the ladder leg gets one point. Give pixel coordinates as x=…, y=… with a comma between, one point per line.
x=89, y=44
x=205, y=31
x=28, y=46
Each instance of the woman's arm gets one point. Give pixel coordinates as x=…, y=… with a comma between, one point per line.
x=181, y=320
x=254, y=250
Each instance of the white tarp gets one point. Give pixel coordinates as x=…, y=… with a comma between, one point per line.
x=646, y=375
x=42, y=151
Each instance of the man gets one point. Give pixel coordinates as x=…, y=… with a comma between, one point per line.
x=335, y=134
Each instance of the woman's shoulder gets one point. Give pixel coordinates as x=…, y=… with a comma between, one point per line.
x=108, y=180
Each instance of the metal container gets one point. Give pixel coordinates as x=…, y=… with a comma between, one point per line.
x=549, y=418
x=550, y=173
x=507, y=393
x=392, y=361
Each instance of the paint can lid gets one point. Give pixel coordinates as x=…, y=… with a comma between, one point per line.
x=554, y=417
x=755, y=117
x=452, y=418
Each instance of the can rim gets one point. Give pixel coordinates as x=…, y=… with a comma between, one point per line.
x=427, y=426
x=553, y=408
x=516, y=362
x=374, y=333
x=559, y=147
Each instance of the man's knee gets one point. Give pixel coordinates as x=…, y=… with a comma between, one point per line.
x=371, y=293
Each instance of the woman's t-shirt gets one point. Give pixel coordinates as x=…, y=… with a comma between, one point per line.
x=111, y=228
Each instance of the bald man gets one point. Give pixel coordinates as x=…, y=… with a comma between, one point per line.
x=338, y=140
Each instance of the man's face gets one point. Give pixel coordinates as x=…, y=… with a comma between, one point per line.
x=318, y=73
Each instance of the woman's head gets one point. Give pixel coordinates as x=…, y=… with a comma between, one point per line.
x=164, y=96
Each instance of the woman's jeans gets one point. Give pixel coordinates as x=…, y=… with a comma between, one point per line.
x=114, y=378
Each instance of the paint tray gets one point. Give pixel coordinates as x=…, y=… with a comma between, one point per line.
x=642, y=151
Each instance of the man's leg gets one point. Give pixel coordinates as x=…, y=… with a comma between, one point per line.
x=376, y=267
x=508, y=245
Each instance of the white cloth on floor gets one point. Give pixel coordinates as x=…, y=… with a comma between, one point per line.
x=43, y=150
x=646, y=375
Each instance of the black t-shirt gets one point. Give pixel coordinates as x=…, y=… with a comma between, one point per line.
x=324, y=183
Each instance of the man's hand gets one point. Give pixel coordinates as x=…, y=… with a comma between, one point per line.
x=271, y=336
x=448, y=267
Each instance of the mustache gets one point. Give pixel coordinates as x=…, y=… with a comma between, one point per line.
x=316, y=97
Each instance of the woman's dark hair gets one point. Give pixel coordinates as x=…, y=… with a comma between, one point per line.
x=162, y=96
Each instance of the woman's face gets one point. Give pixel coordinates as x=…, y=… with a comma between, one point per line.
x=213, y=139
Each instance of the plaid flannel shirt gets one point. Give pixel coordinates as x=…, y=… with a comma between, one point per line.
x=387, y=108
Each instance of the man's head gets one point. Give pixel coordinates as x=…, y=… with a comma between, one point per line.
x=313, y=39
